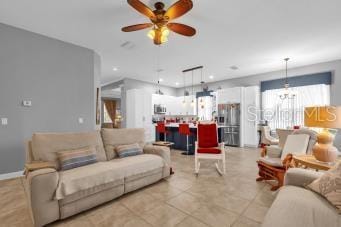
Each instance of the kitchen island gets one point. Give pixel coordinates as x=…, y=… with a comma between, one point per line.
x=180, y=140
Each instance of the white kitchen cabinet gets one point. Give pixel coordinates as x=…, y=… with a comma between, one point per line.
x=139, y=112
x=250, y=116
x=229, y=95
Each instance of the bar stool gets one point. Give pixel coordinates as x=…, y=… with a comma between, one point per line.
x=185, y=131
x=161, y=129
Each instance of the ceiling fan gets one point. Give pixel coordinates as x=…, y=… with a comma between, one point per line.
x=160, y=20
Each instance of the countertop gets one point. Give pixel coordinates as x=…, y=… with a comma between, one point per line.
x=176, y=125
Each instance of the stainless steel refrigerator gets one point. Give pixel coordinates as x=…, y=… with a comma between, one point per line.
x=229, y=116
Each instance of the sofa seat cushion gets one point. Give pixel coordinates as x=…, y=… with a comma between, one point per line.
x=136, y=167
x=88, y=177
x=275, y=162
x=296, y=207
x=88, y=192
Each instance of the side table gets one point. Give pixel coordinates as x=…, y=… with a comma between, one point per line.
x=165, y=144
x=309, y=161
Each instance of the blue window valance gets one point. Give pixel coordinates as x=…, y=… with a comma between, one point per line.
x=298, y=81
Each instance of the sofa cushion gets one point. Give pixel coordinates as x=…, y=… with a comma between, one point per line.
x=88, y=177
x=46, y=145
x=88, y=192
x=74, y=158
x=114, y=172
x=329, y=186
x=135, y=167
x=296, y=207
x=128, y=150
x=114, y=137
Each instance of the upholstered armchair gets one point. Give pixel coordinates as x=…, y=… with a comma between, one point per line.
x=275, y=151
x=266, y=137
x=274, y=164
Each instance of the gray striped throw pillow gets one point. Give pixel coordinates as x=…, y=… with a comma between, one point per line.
x=70, y=159
x=128, y=150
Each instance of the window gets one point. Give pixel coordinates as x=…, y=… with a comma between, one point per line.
x=289, y=112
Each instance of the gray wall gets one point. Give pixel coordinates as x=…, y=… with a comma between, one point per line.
x=58, y=77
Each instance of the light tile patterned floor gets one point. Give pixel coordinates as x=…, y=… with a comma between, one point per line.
x=183, y=200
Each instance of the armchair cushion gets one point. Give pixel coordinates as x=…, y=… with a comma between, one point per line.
x=214, y=150
x=275, y=162
x=273, y=151
x=295, y=144
x=207, y=135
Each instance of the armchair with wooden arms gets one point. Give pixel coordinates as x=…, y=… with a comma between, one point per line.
x=274, y=167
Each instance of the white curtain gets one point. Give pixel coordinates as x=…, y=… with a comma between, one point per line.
x=289, y=112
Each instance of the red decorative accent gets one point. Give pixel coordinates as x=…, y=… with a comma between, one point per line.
x=209, y=150
x=207, y=135
x=296, y=127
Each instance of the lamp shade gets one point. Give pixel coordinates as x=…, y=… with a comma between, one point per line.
x=323, y=116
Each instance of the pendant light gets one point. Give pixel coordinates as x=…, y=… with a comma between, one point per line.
x=287, y=93
x=201, y=101
x=192, y=102
x=184, y=101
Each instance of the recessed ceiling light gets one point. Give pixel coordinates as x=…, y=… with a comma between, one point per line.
x=211, y=77
x=234, y=67
x=177, y=83
x=115, y=68
x=160, y=79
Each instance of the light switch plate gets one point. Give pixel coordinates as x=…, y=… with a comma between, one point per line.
x=4, y=121
x=80, y=120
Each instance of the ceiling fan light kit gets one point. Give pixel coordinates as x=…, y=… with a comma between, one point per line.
x=160, y=18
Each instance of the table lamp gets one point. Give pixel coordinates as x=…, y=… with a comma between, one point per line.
x=326, y=117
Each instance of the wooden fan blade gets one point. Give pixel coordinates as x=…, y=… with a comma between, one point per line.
x=178, y=9
x=136, y=27
x=181, y=29
x=142, y=8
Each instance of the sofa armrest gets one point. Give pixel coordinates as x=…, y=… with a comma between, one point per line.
x=163, y=152
x=273, y=151
x=300, y=177
x=40, y=187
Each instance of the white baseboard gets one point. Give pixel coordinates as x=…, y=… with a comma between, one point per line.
x=11, y=175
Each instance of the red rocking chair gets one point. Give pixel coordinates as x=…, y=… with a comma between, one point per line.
x=207, y=147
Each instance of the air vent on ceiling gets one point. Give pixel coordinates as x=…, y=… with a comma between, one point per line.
x=127, y=45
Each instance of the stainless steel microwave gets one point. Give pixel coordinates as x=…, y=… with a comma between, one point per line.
x=159, y=109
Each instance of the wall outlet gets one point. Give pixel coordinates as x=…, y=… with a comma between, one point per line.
x=4, y=121
x=80, y=120
x=27, y=103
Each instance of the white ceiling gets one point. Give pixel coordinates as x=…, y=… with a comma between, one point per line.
x=254, y=35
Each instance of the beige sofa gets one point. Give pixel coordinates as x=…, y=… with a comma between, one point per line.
x=296, y=206
x=54, y=194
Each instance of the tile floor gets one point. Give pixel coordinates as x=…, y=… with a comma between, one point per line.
x=183, y=200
